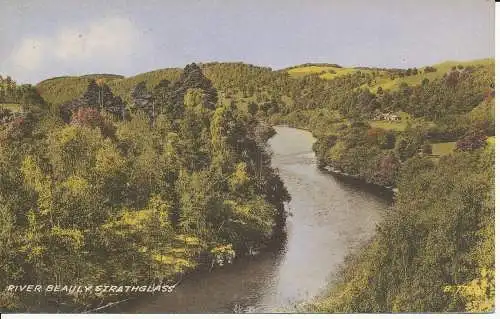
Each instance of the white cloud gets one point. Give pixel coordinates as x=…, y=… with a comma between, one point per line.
x=106, y=45
x=108, y=39
x=29, y=54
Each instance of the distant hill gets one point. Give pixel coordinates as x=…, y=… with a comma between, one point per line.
x=387, y=79
x=224, y=75
x=65, y=88
x=304, y=65
x=235, y=78
x=61, y=89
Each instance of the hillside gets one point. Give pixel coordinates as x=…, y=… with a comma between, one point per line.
x=63, y=89
x=246, y=82
x=324, y=72
x=228, y=77
x=289, y=96
x=387, y=79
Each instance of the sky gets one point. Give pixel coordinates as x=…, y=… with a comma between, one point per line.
x=40, y=39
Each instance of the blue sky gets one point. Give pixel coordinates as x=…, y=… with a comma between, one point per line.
x=46, y=38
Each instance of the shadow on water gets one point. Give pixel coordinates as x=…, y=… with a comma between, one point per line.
x=232, y=288
x=352, y=183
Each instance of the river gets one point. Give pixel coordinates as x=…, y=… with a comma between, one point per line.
x=329, y=218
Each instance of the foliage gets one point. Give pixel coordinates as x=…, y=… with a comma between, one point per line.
x=428, y=245
x=427, y=149
x=176, y=171
x=90, y=117
x=93, y=196
x=471, y=141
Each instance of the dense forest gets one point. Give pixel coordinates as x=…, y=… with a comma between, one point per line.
x=110, y=166
x=89, y=195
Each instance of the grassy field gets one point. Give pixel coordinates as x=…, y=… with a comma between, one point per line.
x=306, y=70
x=395, y=125
x=491, y=140
x=448, y=147
x=328, y=72
x=443, y=148
x=389, y=125
x=11, y=106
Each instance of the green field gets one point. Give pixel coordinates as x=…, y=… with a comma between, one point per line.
x=14, y=107
x=389, y=125
x=446, y=148
x=328, y=72
x=306, y=70
x=443, y=148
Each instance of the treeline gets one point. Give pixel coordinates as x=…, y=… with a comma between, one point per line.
x=457, y=92
x=59, y=90
x=23, y=95
x=9, y=92
x=90, y=196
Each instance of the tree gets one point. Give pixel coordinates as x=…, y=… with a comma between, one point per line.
x=164, y=101
x=116, y=106
x=193, y=78
x=472, y=141
x=141, y=97
x=388, y=167
x=427, y=148
x=67, y=109
x=388, y=140
x=92, y=96
x=6, y=115
x=252, y=108
x=2, y=94
x=90, y=117
x=429, y=69
x=99, y=96
x=405, y=149
x=30, y=97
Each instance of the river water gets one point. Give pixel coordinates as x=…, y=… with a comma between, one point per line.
x=329, y=218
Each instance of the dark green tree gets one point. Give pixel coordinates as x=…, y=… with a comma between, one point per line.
x=92, y=96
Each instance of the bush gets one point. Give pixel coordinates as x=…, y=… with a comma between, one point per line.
x=429, y=69
x=90, y=117
x=471, y=141
x=427, y=149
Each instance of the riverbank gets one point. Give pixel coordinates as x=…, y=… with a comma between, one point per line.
x=329, y=219
x=345, y=176
x=383, y=191
x=177, y=303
